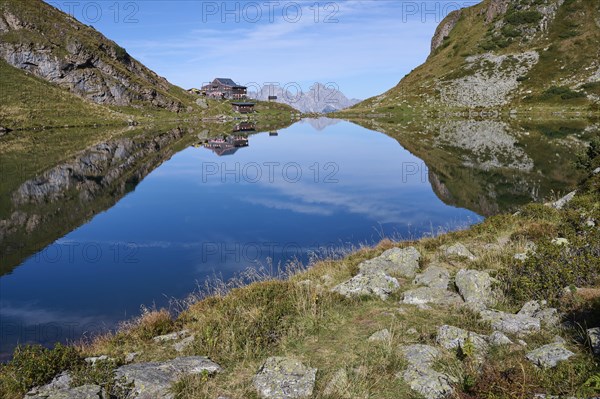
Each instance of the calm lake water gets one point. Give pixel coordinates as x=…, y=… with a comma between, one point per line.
x=317, y=184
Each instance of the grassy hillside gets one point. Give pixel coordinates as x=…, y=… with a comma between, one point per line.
x=483, y=44
x=31, y=102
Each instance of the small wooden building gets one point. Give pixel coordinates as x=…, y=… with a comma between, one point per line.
x=243, y=108
x=272, y=98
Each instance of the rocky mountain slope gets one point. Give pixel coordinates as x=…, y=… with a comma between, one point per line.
x=42, y=40
x=502, y=53
x=320, y=98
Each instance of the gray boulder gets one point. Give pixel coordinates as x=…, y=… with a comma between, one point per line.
x=594, y=338
x=420, y=375
x=370, y=284
x=539, y=310
x=153, y=380
x=381, y=336
x=172, y=336
x=498, y=339
x=401, y=261
x=425, y=295
x=475, y=287
x=81, y=392
x=451, y=337
x=184, y=343
x=561, y=203
x=459, y=250
x=549, y=355
x=511, y=323
x=283, y=378
x=434, y=277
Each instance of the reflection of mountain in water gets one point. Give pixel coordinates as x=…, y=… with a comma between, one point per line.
x=320, y=123
x=46, y=206
x=493, y=166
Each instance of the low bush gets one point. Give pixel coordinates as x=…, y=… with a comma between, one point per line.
x=35, y=365
x=523, y=17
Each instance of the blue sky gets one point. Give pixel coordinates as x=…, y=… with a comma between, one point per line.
x=363, y=47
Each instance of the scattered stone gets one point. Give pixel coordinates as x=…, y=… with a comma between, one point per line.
x=425, y=295
x=538, y=310
x=88, y=391
x=338, y=385
x=560, y=241
x=153, y=380
x=371, y=284
x=521, y=342
x=520, y=256
x=93, y=360
x=423, y=306
x=560, y=204
x=590, y=223
x=498, y=339
x=594, y=338
x=401, y=261
x=61, y=382
x=596, y=171
x=450, y=337
x=511, y=323
x=201, y=103
x=412, y=331
x=549, y=355
x=459, y=250
x=184, y=343
x=428, y=382
x=172, y=336
x=382, y=335
x=130, y=357
x=420, y=376
x=419, y=355
x=281, y=377
x=433, y=277
x=475, y=287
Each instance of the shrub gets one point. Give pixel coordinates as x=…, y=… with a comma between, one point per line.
x=35, y=365
x=563, y=92
x=523, y=17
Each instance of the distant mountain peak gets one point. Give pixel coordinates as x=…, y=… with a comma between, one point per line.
x=319, y=98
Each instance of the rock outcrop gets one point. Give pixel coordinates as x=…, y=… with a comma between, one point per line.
x=55, y=47
x=370, y=284
x=281, y=377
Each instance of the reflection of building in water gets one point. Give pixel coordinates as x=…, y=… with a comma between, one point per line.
x=274, y=133
x=226, y=145
x=247, y=127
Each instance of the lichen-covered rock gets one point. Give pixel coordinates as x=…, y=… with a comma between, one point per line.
x=172, y=336
x=153, y=380
x=429, y=383
x=549, y=355
x=475, y=287
x=498, y=339
x=369, y=284
x=539, y=310
x=184, y=343
x=451, y=337
x=381, y=335
x=420, y=355
x=420, y=375
x=434, y=277
x=88, y=391
x=459, y=250
x=283, y=378
x=562, y=202
x=511, y=323
x=401, y=261
x=425, y=295
x=594, y=339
